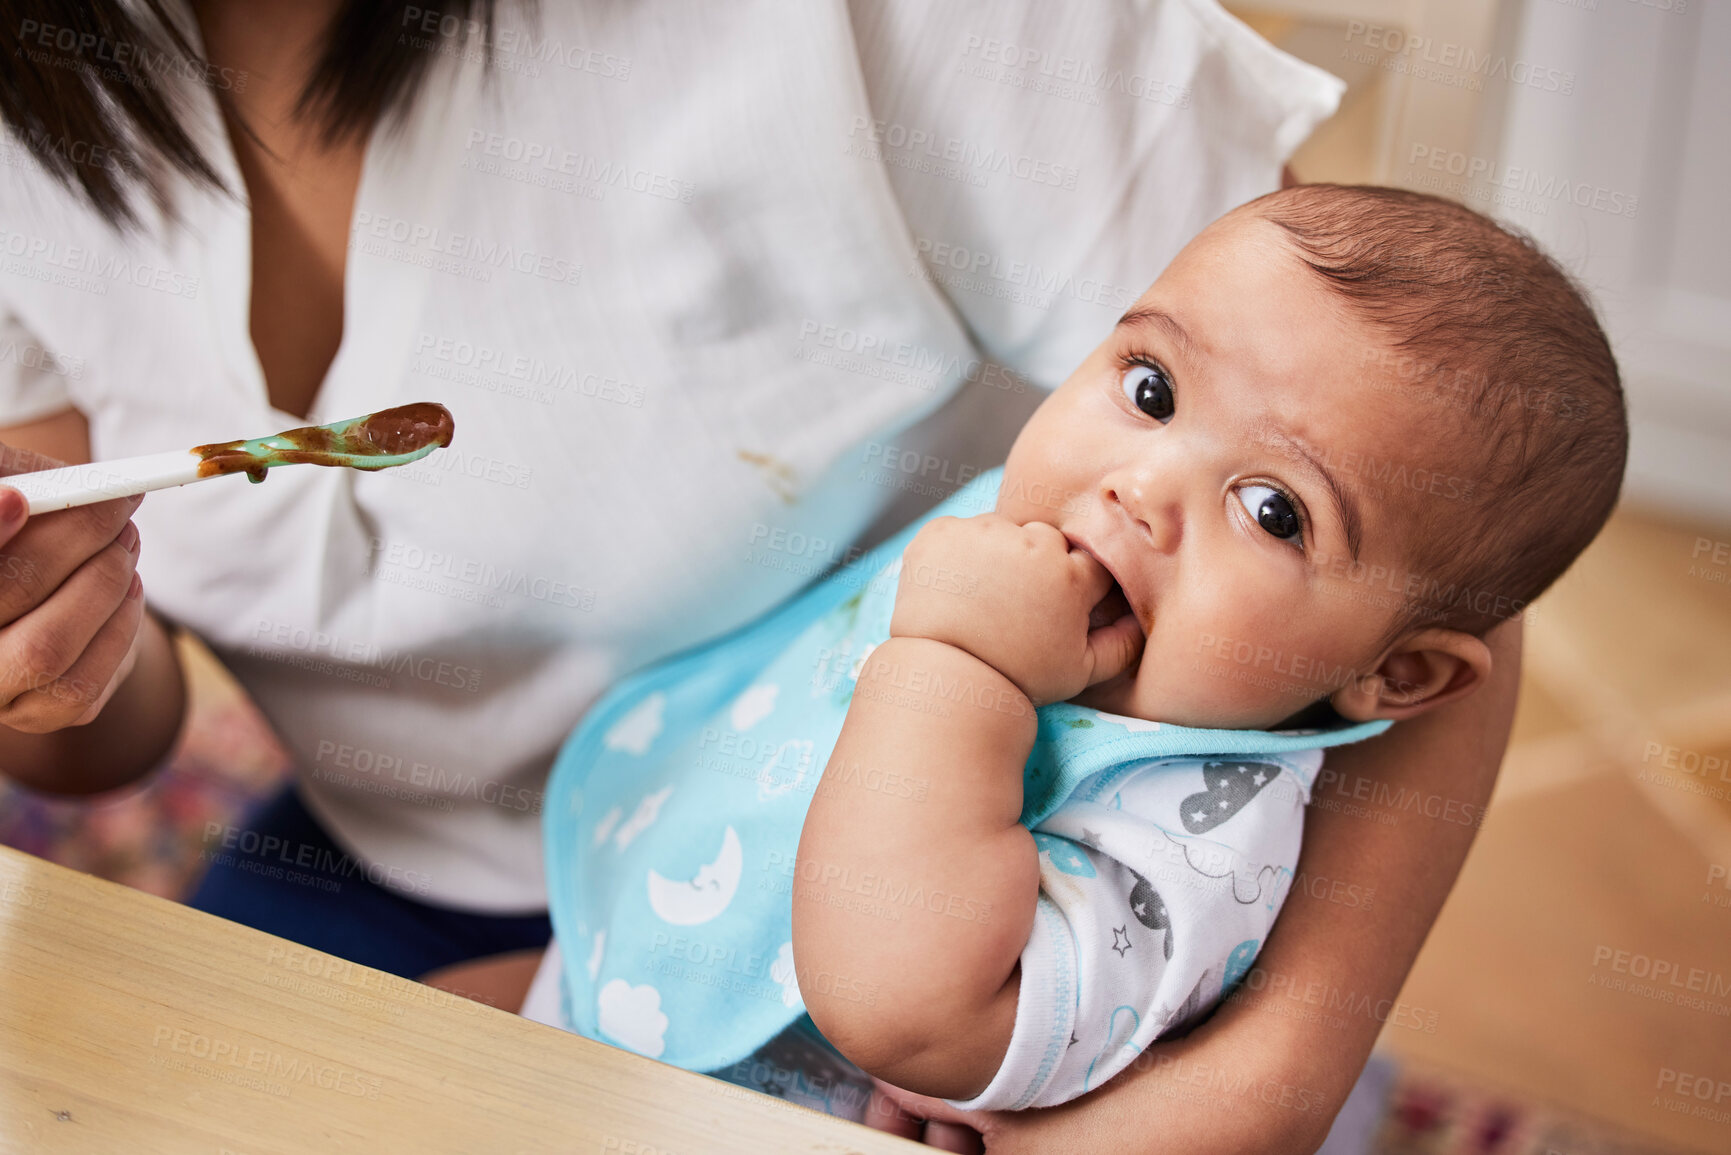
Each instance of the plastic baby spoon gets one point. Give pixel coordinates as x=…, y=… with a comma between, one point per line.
x=376, y=441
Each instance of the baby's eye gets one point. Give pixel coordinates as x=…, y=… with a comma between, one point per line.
x=1273, y=512
x=1150, y=390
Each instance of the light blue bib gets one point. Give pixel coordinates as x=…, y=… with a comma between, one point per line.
x=674, y=810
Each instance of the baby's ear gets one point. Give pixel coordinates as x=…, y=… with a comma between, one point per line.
x=1422, y=670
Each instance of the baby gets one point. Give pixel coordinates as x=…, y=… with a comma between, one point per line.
x=996, y=806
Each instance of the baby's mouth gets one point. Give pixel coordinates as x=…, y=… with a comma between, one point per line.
x=1109, y=608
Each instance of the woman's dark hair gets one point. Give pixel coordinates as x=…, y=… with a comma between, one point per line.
x=88, y=87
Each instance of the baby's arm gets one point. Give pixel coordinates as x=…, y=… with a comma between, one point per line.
x=910, y=915
x=919, y=993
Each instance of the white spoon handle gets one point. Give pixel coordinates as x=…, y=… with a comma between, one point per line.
x=71, y=485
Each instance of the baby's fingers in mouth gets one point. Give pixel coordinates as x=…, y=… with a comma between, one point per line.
x=1109, y=608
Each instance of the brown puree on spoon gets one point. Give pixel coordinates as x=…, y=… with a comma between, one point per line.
x=387, y=433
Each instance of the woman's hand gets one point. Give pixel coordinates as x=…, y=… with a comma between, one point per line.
x=71, y=604
x=1214, y=1092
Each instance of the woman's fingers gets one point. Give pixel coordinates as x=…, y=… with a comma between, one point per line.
x=78, y=695
x=70, y=604
x=932, y=1121
x=883, y=1114
x=920, y=1106
x=13, y=509
x=38, y=558
x=953, y=1137
x=120, y=633
x=45, y=680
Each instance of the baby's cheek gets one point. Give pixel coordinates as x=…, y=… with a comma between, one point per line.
x=1172, y=658
x=1230, y=614
x=1230, y=627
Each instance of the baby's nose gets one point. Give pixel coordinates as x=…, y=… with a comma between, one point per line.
x=1154, y=513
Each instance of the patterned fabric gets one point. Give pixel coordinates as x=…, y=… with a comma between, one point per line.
x=673, y=818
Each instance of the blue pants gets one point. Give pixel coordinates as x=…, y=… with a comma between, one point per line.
x=338, y=910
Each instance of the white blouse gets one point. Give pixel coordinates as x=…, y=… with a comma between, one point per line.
x=709, y=289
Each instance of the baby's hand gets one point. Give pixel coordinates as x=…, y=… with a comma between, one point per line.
x=1017, y=597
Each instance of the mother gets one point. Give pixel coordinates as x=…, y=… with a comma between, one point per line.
x=707, y=289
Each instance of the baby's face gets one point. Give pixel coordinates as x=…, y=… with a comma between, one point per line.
x=1206, y=454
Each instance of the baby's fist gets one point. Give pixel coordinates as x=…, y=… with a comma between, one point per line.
x=1017, y=597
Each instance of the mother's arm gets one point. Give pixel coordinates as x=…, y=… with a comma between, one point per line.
x=1270, y=1069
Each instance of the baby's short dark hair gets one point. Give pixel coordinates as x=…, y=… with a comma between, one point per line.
x=1485, y=328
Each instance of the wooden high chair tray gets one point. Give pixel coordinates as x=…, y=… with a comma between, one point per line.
x=131, y=1023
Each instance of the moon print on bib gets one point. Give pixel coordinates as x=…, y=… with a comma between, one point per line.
x=1229, y=786
x=708, y=892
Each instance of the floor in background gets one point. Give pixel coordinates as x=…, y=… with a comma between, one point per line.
x=1431, y=1113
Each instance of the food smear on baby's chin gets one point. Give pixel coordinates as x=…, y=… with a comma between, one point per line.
x=379, y=440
